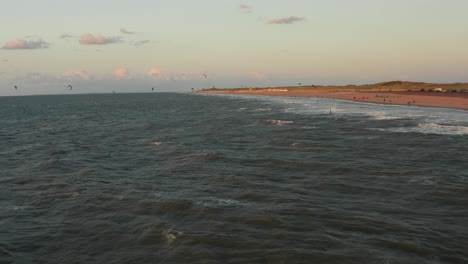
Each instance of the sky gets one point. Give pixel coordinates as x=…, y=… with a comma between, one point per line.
x=175, y=45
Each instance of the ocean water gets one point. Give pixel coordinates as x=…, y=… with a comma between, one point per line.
x=190, y=178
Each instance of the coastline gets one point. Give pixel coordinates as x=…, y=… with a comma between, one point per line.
x=454, y=100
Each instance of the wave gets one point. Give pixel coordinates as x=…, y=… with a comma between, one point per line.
x=280, y=122
x=171, y=235
x=382, y=117
x=167, y=206
x=443, y=129
x=262, y=109
x=431, y=128
x=215, y=202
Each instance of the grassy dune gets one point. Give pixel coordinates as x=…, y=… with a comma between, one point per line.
x=385, y=86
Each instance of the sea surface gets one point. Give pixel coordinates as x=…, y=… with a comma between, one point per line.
x=191, y=178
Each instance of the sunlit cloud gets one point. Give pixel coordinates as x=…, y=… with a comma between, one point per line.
x=26, y=44
x=245, y=8
x=155, y=72
x=159, y=73
x=89, y=39
x=125, y=31
x=257, y=75
x=121, y=73
x=286, y=20
x=77, y=73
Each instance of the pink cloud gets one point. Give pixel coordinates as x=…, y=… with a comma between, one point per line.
x=257, y=75
x=245, y=8
x=77, y=73
x=121, y=73
x=125, y=31
x=154, y=72
x=26, y=44
x=163, y=74
x=286, y=20
x=88, y=39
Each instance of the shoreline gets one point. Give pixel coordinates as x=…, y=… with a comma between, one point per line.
x=457, y=100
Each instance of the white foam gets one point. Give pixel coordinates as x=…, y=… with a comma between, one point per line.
x=156, y=143
x=262, y=109
x=171, y=235
x=382, y=117
x=427, y=120
x=280, y=122
x=443, y=129
x=228, y=202
x=431, y=128
x=170, y=238
x=216, y=202
x=19, y=208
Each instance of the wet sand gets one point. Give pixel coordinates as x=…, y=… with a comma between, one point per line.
x=410, y=98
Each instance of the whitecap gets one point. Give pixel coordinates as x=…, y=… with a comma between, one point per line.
x=431, y=128
x=171, y=235
x=227, y=202
x=156, y=143
x=19, y=208
x=262, y=109
x=217, y=202
x=443, y=129
x=382, y=117
x=280, y=122
x=170, y=238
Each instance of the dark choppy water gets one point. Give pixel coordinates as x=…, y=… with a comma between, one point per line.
x=183, y=178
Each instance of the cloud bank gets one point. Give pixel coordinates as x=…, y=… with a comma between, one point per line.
x=286, y=20
x=25, y=44
x=89, y=39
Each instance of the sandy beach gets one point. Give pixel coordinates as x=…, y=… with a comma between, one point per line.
x=456, y=100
